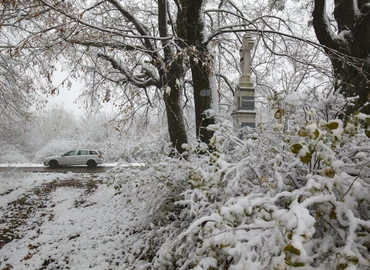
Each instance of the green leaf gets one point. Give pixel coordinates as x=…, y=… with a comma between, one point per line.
x=295, y=148
x=333, y=214
x=303, y=132
x=330, y=172
x=332, y=125
x=353, y=259
x=297, y=264
x=367, y=121
x=306, y=158
x=315, y=134
x=291, y=249
x=289, y=262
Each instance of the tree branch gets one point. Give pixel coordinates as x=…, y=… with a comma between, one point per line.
x=322, y=26
x=130, y=77
x=102, y=44
x=344, y=13
x=227, y=81
x=139, y=27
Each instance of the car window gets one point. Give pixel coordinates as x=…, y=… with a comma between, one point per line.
x=70, y=153
x=93, y=153
x=83, y=152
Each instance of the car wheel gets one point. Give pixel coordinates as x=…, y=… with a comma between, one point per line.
x=91, y=164
x=53, y=164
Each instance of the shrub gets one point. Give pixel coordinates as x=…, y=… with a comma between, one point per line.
x=285, y=195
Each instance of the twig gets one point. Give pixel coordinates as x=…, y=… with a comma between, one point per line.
x=354, y=180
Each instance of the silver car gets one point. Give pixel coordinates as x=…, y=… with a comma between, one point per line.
x=88, y=157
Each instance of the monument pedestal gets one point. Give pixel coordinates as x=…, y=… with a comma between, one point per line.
x=245, y=118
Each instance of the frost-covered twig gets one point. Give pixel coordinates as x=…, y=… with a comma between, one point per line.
x=354, y=180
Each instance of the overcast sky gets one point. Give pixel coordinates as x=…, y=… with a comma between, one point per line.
x=65, y=97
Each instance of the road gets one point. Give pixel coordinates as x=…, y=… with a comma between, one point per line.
x=77, y=169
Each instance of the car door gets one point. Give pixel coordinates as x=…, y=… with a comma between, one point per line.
x=82, y=157
x=68, y=158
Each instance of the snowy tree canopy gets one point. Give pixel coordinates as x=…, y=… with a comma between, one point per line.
x=137, y=55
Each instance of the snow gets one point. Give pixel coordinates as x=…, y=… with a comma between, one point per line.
x=250, y=202
x=17, y=184
x=208, y=262
x=247, y=111
x=88, y=236
x=295, y=98
x=167, y=90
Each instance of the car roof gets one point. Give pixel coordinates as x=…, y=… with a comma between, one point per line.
x=83, y=149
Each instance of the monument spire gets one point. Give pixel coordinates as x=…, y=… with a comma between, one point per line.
x=244, y=110
x=246, y=60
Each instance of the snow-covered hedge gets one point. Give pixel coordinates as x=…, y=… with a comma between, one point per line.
x=11, y=154
x=55, y=147
x=292, y=194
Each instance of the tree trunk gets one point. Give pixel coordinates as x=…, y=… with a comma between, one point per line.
x=171, y=73
x=175, y=118
x=172, y=98
x=349, y=51
x=202, y=100
x=191, y=28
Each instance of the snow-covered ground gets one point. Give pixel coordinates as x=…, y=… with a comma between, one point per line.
x=74, y=227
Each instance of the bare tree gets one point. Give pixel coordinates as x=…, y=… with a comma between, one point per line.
x=18, y=92
x=122, y=49
x=139, y=55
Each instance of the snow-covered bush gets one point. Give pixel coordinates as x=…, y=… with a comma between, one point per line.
x=55, y=147
x=293, y=193
x=152, y=194
x=11, y=154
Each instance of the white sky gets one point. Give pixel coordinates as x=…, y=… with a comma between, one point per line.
x=65, y=97
x=68, y=97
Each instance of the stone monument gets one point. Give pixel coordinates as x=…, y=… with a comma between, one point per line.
x=244, y=112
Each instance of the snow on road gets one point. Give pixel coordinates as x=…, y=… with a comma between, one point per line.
x=69, y=223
